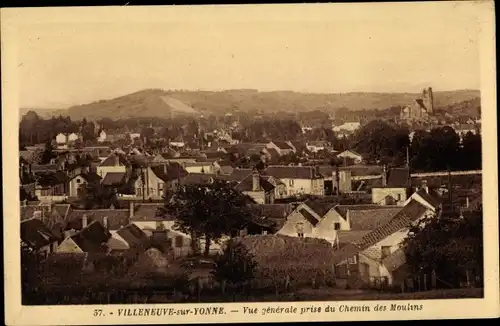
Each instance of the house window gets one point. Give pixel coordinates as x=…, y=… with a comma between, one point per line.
x=399, y=197
x=290, y=183
x=160, y=188
x=300, y=229
x=179, y=241
x=352, y=260
x=337, y=226
x=78, y=180
x=386, y=251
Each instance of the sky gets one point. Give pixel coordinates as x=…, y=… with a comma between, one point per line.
x=64, y=62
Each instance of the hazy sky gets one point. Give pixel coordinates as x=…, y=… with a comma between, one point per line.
x=63, y=63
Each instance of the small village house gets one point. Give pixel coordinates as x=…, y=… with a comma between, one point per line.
x=282, y=147
x=256, y=187
x=37, y=237
x=298, y=179
x=351, y=155
x=113, y=163
x=80, y=182
x=395, y=187
x=154, y=182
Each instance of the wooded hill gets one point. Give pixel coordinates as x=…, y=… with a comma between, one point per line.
x=160, y=103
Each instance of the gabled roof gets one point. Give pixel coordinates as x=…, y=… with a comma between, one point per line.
x=273, y=211
x=309, y=217
x=149, y=212
x=172, y=171
x=398, y=178
x=342, y=209
x=91, y=238
x=351, y=236
x=110, y=160
x=247, y=184
x=368, y=220
x=320, y=207
x=135, y=237
x=36, y=234
x=237, y=175
x=114, y=178
x=410, y=213
x=432, y=197
x=273, y=152
x=293, y=172
x=350, y=151
x=272, y=180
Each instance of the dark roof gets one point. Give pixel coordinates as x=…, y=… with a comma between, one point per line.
x=172, y=171
x=199, y=178
x=292, y=172
x=247, y=184
x=43, y=168
x=282, y=145
x=320, y=207
x=410, y=213
x=273, y=152
x=36, y=234
x=394, y=260
x=398, y=178
x=272, y=180
x=114, y=178
x=308, y=216
x=117, y=218
x=368, y=220
x=237, y=175
x=91, y=238
x=52, y=179
x=215, y=155
x=135, y=237
x=91, y=177
x=432, y=197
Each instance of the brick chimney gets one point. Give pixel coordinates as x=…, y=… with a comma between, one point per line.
x=255, y=181
x=84, y=221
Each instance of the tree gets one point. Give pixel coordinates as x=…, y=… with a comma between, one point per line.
x=95, y=195
x=210, y=211
x=450, y=247
x=48, y=154
x=471, y=152
x=236, y=265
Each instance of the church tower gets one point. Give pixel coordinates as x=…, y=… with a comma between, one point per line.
x=428, y=99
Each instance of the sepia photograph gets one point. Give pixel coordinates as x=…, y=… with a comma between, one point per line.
x=210, y=157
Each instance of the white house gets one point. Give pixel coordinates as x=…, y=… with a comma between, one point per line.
x=299, y=179
x=102, y=137
x=113, y=163
x=347, y=127
x=61, y=138
x=73, y=137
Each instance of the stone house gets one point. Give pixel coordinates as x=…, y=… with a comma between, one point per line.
x=260, y=190
x=299, y=180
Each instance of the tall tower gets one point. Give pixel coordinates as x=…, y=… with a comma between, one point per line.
x=428, y=99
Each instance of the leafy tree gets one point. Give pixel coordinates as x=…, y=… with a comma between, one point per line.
x=95, y=195
x=48, y=153
x=211, y=211
x=451, y=247
x=471, y=152
x=236, y=265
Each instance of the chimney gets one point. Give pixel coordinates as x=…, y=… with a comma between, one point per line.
x=255, y=181
x=317, y=170
x=384, y=176
x=84, y=221
x=116, y=159
x=165, y=168
x=131, y=210
x=424, y=186
x=105, y=222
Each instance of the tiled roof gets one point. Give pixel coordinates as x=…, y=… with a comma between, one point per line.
x=135, y=237
x=398, y=178
x=247, y=184
x=36, y=234
x=309, y=217
x=371, y=219
x=342, y=209
x=410, y=213
x=150, y=212
x=320, y=207
x=199, y=178
x=91, y=238
x=292, y=172
x=394, y=260
x=173, y=171
x=117, y=218
x=351, y=236
x=114, y=178
x=273, y=152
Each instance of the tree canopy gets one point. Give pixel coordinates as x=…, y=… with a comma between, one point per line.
x=211, y=211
